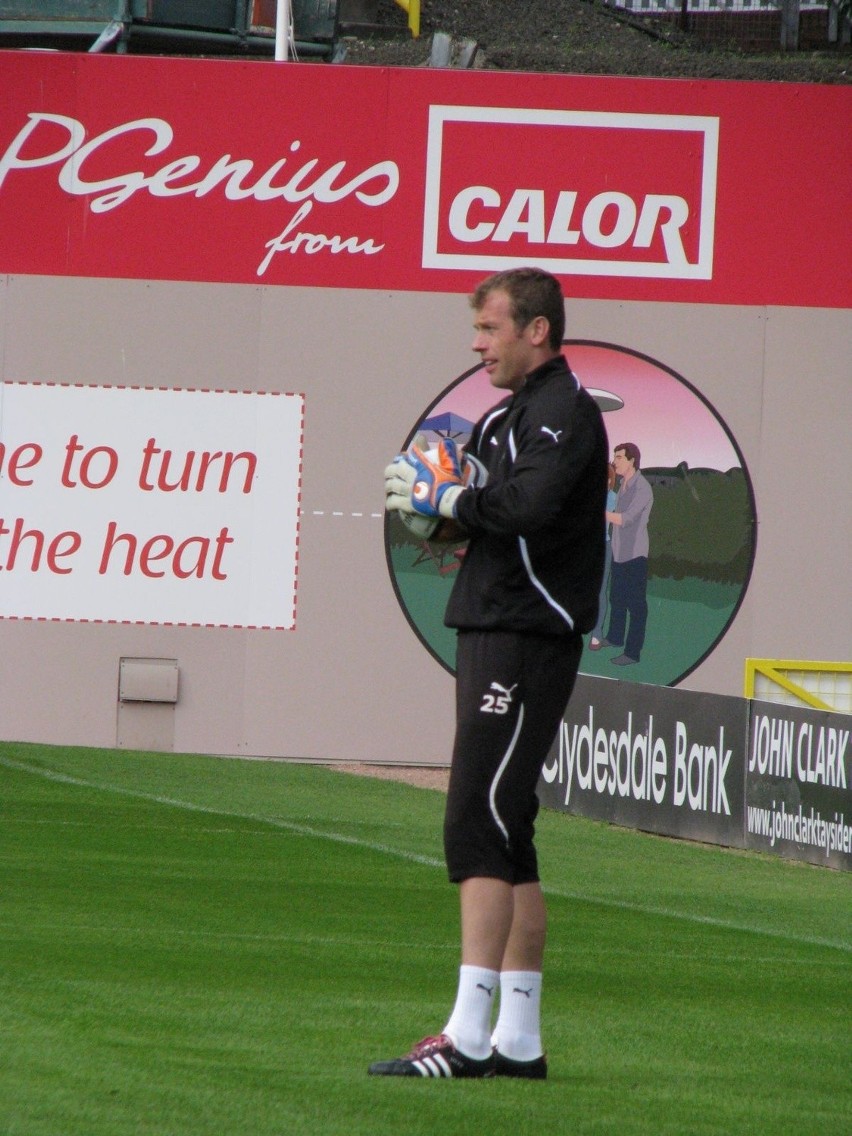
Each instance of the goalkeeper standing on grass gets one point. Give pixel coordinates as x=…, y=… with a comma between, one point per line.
x=526, y=591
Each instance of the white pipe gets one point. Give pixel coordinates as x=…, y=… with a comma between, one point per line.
x=282, y=31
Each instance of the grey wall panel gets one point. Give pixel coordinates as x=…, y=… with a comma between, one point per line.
x=352, y=681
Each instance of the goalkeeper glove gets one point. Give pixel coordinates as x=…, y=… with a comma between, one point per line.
x=437, y=484
x=417, y=483
x=399, y=480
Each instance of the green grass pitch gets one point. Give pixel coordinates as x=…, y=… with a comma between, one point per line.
x=202, y=947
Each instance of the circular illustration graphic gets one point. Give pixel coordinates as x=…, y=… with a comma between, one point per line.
x=701, y=527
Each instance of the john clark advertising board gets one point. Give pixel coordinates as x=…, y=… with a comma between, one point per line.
x=798, y=802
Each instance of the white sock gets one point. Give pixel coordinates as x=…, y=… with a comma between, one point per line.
x=469, y=1027
x=518, y=1031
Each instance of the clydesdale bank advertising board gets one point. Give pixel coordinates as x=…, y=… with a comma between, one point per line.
x=706, y=767
x=651, y=758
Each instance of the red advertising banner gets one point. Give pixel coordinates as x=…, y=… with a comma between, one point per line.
x=417, y=179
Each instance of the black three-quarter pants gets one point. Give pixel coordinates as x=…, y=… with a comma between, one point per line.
x=511, y=693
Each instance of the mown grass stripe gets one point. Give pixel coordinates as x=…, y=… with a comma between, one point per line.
x=311, y=832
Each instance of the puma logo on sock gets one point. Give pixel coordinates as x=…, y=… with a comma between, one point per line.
x=526, y=993
x=489, y=990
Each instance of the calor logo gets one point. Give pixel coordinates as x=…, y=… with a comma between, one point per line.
x=593, y=193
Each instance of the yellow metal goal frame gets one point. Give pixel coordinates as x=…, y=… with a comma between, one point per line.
x=780, y=672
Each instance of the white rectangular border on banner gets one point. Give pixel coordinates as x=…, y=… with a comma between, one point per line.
x=702, y=269
x=152, y=506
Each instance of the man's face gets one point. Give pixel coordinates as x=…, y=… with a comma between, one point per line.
x=507, y=354
x=623, y=465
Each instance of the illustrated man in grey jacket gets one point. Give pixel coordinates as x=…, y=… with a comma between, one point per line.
x=629, y=581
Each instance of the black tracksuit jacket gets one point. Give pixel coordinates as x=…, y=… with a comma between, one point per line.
x=535, y=558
